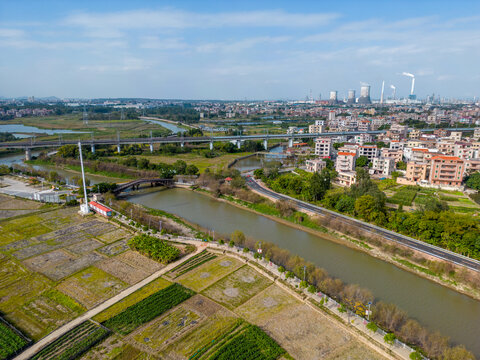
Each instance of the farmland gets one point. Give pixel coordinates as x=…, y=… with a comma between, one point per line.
x=261, y=320
x=148, y=308
x=10, y=340
x=56, y=264
x=73, y=343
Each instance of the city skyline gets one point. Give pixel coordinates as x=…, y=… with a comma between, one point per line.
x=268, y=50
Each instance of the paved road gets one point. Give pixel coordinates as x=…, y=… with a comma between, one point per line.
x=32, y=350
x=390, y=235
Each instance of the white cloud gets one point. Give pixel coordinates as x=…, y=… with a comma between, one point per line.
x=156, y=43
x=112, y=24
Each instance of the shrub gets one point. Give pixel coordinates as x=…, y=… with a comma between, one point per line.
x=312, y=289
x=245, y=250
x=372, y=327
x=389, y=338
x=231, y=243
x=289, y=275
x=281, y=269
x=416, y=356
x=155, y=248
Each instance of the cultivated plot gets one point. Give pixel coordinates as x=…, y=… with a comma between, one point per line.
x=207, y=274
x=91, y=286
x=236, y=288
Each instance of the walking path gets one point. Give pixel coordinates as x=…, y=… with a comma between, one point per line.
x=32, y=350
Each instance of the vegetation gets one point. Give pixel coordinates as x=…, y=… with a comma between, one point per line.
x=148, y=309
x=74, y=343
x=473, y=181
x=252, y=343
x=10, y=341
x=154, y=247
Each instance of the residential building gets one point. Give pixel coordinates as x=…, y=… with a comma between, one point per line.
x=414, y=134
x=316, y=129
x=397, y=155
x=384, y=166
x=315, y=165
x=370, y=151
x=446, y=170
x=346, y=178
x=363, y=138
x=472, y=165
x=416, y=171
x=345, y=161
x=323, y=147
x=456, y=135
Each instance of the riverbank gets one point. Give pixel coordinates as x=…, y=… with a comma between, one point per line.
x=359, y=244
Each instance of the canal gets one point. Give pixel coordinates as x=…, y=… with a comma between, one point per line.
x=435, y=306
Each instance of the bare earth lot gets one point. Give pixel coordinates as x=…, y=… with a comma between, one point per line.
x=229, y=293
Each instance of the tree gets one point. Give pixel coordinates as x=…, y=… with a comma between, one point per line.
x=143, y=163
x=191, y=170
x=361, y=161
x=180, y=166
x=401, y=165
x=473, y=181
x=338, y=145
x=457, y=353
x=365, y=207
x=389, y=338
x=238, y=237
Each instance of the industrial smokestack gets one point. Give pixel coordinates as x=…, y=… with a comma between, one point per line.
x=383, y=88
x=394, y=91
x=413, y=82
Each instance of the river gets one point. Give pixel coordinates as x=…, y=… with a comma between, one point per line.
x=435, y=306
x=167, y=125
x=17, y=158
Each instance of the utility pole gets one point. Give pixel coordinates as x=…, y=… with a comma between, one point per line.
x=304, y=272
x=84, y=210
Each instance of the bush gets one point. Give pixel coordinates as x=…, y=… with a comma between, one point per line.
x=312, y=289
x=155, y=248
x=303, y=284
x=389, y=338
x=281, y=269
x=245, y=250
x=416, y=356
x=342, y=308
x=289, y=275
x=221, y=242
x=372, y=327
x=231, y=243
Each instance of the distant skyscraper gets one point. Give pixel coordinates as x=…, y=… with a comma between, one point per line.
x=351, y=97
x=364, y=95
x=333, y=97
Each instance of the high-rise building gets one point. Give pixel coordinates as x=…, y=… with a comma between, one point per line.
x=351, y=97
x=333, y=97
x=364, y=95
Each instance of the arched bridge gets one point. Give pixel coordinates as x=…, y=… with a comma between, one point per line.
x=135, y=184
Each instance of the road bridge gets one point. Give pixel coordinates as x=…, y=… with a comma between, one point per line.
x=32, y=143
x=135, y=184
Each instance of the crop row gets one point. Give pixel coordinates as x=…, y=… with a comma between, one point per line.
x=74, y=343
x=193, y=264
x=148, y=308
x=155, y=248
x=10, y=341
x=251, y=344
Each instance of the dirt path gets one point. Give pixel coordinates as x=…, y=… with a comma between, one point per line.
x=32, y=350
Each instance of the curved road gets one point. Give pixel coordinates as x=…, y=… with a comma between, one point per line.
x=390, y=235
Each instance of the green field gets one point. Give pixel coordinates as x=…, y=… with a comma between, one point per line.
x=148, y=309
x=207, y=274
x=236, y=288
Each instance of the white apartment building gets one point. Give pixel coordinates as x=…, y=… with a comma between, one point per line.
x=370, y=151
x=384, y=166
x=315, y=165
x=345, y=161
x=346, y=178
x=316, y=129
x=323, y=147
x=363, y=138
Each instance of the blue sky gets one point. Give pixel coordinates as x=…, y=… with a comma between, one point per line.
x=237, y=49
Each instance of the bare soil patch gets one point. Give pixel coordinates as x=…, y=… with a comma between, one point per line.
x=122, y=270
x=114, y=248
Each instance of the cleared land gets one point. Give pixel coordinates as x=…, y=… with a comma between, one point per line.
x=207, y=274
x=213, y=323
x=47, y=259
